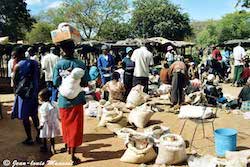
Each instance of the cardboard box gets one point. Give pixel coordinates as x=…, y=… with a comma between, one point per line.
x=66, y=33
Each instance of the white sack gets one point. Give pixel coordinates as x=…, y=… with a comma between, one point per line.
x=136, y=96
x=92, y=108
x=137, y=156
x=156, y=131
x=189, y=111
x=171, y=152
x=140, y=116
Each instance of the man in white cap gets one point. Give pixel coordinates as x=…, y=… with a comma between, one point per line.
x=169, y=55
x=143, y=59
x=105, y=64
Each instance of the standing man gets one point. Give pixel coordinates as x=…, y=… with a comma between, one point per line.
x=105, y=64
x=48, y=63
x=129, y=66
x=239, y=55
x=178, y=73
x=143, y=59
x=169, y=55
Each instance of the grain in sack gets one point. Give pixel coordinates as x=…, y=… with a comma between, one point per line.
x=171, y=150
x=139, y=150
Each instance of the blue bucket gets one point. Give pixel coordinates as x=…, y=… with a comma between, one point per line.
x=225, y=140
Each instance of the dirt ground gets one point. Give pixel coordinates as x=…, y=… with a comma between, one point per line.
x=102, y=148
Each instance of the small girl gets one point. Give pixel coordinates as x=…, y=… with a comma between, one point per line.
x=49, y=120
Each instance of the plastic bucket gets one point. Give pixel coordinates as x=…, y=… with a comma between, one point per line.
x=225, y=140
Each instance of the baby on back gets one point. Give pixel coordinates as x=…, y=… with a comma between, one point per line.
x=70, y=87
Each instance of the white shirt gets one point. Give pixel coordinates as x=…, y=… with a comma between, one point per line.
x=48, y=63
x=239, y=54
x=10, y=67
x=143, y=59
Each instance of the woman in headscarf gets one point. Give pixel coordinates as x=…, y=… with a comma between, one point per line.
x=25, y=79
x=71, y=110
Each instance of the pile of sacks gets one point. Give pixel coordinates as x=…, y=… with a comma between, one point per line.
x=141, y=146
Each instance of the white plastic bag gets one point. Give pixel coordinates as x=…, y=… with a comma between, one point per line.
x=140, y=116
x=172, y=150
x=190, y=111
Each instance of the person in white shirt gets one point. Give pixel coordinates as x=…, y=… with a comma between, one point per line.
x=169, y=55
x=48, y=63
x=239, y=55
x=143, y=59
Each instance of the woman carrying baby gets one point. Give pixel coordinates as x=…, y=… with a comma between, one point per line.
x=71, y=108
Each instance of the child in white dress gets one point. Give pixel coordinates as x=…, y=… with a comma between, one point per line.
x=49, y=120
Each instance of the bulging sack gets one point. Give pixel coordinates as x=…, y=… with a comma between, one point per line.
x=137, y=155
x=92, y=108
x=140, y=116
x=136, y=97
x=171, y=150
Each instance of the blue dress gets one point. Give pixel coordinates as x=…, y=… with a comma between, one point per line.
x=23, y=108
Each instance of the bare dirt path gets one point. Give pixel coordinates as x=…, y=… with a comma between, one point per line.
x=103, y=149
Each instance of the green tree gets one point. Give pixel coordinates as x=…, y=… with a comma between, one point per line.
x=114, y=30
x=234, y=26
x=160, y=18
x=14, y=19
x=40, y=33
x=209, y=35
x=90, y=15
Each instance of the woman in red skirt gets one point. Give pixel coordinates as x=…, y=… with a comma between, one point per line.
x=71, y=109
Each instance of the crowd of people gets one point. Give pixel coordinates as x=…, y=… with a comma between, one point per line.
x=54, y=80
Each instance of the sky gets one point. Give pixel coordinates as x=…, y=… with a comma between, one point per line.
x=198, y=10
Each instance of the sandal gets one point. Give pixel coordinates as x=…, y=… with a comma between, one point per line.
x=76, y=161
x=28, y=142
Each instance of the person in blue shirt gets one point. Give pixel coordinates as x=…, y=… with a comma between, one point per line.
x=105, y=64
x=128, y=66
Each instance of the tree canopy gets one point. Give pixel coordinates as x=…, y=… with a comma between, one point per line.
x=15, y=19
x=152, y=18
x=232, y=26
x=40, y=33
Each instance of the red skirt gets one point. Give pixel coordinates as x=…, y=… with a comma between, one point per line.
x=72, y=125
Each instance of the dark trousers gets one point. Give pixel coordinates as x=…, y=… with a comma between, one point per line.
x=178, y=82
x=128, y=83
x=141, y=81
x=27, y=126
